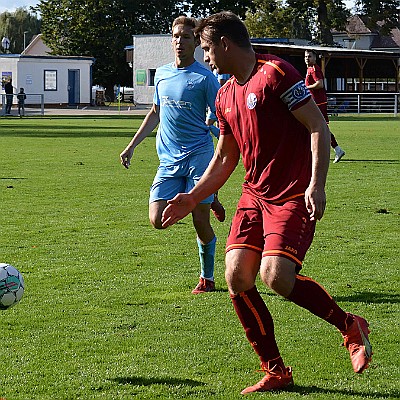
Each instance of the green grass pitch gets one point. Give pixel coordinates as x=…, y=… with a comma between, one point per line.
x=107, y=312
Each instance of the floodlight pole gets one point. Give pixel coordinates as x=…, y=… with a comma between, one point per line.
x=25, y=39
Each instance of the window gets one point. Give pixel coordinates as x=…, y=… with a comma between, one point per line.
x=50, y=80
x=152, y=73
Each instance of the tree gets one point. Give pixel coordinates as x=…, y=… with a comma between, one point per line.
x=270, y=20
x=309, y=19
x=101, y=29
x=17, y=26
x=322, y=16
x=201, y=8
x=380, y=15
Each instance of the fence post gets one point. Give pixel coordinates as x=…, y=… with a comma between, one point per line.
x=358, y=103
x=42, y=103
x=396, y=99
x=3, y=105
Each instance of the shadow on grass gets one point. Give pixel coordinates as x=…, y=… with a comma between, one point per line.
x=363, y=118
x=90, y=116
x=349, y=160
x=91, y=129
x=304, y=390
x=371, y=297
x=142, y=381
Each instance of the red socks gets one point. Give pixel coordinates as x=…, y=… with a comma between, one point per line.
x=310, y=295
x=334, y=143
x=258, y=325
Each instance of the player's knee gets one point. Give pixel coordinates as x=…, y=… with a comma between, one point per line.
x=238, y=278
x=201, y=218
x=155, y=221
x=278, y=274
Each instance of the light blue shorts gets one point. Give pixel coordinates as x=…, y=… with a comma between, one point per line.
x=180, y=178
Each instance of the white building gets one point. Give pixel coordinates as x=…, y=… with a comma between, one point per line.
x=147, y=53
x=61, y=80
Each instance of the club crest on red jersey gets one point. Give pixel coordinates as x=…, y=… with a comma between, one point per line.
x=251, y=101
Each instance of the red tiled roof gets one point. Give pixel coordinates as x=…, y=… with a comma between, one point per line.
x=355, y=25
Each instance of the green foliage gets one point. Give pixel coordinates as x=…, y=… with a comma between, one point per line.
x=108, y=313
x=295, y=19
x=102, y=29
x=202, y=8
x=14, y=24
x=381, y=15
x=271, y=19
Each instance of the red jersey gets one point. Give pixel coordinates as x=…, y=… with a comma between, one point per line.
x=275, y=147
x=314, y=74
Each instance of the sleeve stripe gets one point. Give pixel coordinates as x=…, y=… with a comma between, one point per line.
x=273, y=65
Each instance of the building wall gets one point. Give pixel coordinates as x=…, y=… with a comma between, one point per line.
x=8, y=65
x=29, y=73
x=150, y=52
x=31, y=77
x=359, y=42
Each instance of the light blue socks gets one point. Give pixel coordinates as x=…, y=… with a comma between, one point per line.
x=206, y=254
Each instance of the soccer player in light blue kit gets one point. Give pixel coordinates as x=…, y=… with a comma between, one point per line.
x=184, y=90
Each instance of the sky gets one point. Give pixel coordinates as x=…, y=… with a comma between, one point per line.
x=11, y=5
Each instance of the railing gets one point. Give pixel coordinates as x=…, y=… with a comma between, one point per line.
x=358, y=103
x=33, y=104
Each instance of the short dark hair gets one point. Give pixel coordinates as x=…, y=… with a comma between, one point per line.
x=224, y=23
x=312, y=51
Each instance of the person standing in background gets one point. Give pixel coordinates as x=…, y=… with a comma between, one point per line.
x=21, y=96
x=9, y=89
x=315, y=83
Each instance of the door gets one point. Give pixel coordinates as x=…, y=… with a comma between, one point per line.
x=74, y=94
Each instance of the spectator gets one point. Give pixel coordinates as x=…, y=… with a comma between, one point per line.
x=9, y=89
x=21, y=96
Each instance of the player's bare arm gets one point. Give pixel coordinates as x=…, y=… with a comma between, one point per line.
x=149, y=123
x=317, y=85
x=310, y=116
x=222, y=165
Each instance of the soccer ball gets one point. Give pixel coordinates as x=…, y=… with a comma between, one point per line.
x=11, y=286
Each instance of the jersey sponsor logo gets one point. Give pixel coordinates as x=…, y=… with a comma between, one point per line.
x=166, y=102
x=295, y=94
x=228, y=110
x=251, y=101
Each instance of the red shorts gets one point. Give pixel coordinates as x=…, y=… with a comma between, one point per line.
x=272, y=229
x=324, y=110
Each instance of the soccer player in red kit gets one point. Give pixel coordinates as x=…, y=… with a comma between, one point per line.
x=267, y=115
x=315, y=83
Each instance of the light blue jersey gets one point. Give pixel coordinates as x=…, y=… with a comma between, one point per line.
x=225, y=77
x=183, y=94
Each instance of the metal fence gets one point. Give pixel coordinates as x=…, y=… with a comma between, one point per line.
x=33, y=105
x=360, y=103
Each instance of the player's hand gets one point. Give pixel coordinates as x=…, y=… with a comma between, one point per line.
x=315, y=202
x=126, y=156
x=180, y=206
